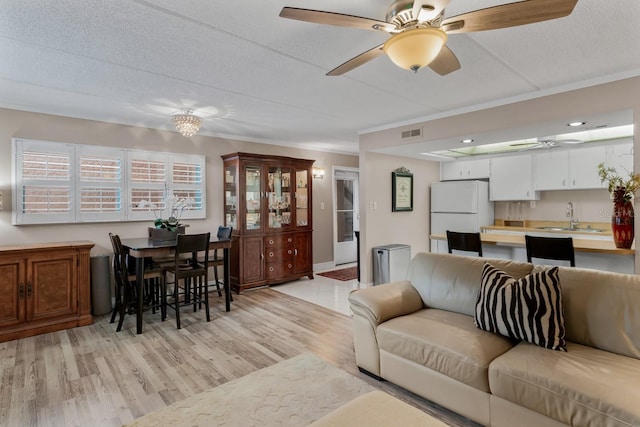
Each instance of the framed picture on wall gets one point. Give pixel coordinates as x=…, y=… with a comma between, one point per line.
x=401, y=190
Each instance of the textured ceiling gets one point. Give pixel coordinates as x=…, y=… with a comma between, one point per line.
x=255, y=76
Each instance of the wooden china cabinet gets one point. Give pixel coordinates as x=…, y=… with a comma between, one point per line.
x=268, y=204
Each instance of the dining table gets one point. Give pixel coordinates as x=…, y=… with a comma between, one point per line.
x=143, y=247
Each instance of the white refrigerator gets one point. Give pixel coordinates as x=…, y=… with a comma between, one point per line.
x=461, y=206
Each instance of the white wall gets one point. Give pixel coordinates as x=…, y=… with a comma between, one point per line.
x=381, y=226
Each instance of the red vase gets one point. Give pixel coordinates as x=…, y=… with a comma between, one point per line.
x=622, y=220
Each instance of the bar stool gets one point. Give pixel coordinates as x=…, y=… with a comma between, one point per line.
x=557, y=248
x=193, y=274
x=217, y=260
x=126, y=291
x=468, y=242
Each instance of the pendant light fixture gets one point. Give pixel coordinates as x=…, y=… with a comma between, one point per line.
x=186, y=123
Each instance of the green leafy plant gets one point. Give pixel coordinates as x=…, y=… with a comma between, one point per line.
x=616, y=183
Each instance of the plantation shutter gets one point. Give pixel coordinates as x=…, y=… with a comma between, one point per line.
x=44, y=185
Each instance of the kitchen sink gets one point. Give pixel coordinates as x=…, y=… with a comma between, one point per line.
x=590, y=230
x=584, y=229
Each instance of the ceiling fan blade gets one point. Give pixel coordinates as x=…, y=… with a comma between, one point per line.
x=526, y=144
x=426, y=10
x=357, y=61
x=508, y=15
x=446, y=62
x=555, y=140
x=337, y=19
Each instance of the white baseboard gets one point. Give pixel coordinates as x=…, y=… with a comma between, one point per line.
x=324, y=266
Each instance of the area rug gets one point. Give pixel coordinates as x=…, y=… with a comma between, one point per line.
x=343, y=274
x=294, y=392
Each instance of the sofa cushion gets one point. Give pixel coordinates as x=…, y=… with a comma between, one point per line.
x=602, y=309
x=451, y=282
x=582, y=387
x=444, y=341
x=528, y=309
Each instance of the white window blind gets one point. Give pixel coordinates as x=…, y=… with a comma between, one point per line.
x=44, y=186
x=148, y=176
x=59, y=183
x=100, y=184
x=187, y=183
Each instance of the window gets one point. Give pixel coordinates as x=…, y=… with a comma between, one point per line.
x=44, y=192
x=156, y=176
x=66, y=183
x=100, y=184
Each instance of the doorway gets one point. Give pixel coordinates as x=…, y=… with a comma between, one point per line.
x=346, y=216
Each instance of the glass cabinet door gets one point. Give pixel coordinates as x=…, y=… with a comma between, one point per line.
x=302, y=198
x=253, y=200
x=279, y=194
x=231, y=196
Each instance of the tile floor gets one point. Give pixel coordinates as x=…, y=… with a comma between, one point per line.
x=329, y=293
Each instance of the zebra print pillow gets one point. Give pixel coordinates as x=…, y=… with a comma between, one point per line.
x=527, y=309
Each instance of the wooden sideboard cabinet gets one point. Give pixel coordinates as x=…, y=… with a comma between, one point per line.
x=44, y=287
x=268, y=204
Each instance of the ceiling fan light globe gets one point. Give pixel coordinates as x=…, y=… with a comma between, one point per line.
x=416, y=48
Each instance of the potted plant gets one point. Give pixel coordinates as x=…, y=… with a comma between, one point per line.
x=622, y=191
x=165, y=229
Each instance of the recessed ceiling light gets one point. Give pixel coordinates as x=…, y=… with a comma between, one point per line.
x=466, y=141
x=576, y=124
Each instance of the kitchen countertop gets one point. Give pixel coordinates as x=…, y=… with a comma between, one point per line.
x=580, y=245
x=527, y=229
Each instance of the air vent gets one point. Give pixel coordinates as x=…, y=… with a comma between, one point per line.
x=412, y=133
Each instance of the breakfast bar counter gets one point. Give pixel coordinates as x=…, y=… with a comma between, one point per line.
x=580, y=245
x=593, y=250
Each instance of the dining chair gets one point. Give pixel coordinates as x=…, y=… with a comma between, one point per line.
x=191, y=277
x=216, y=260
x=468, y=242
x=126, y=291
x=556, y=248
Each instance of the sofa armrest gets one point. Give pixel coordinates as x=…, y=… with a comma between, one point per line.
x=373, y=306
x=384, y=302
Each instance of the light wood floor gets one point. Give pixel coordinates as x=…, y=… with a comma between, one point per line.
x=93, y=376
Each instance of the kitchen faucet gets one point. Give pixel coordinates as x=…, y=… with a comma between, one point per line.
x=573, y=222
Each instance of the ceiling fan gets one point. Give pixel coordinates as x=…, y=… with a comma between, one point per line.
x=419, y=29
x=548, y=142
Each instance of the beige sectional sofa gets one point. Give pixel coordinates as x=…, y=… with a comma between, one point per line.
x=420, y=334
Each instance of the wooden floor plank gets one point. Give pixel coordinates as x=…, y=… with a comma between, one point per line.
x=94, y=376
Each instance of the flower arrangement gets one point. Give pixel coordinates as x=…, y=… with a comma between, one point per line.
x=617, y=185
x=176, y=207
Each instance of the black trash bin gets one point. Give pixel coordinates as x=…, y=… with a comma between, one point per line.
x=100, y=285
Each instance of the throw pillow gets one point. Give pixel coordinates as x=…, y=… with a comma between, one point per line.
x=527, y=309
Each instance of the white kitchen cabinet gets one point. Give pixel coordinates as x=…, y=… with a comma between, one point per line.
x=570, y=169
x=583, y=167
x=551, y=169
x=464, y=169
x=620, y=156
x=511, y=178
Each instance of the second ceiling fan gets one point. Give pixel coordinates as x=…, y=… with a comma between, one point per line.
x=419, y=30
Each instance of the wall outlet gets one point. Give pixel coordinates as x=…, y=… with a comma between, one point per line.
x=321, y=206
x=532, y=204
